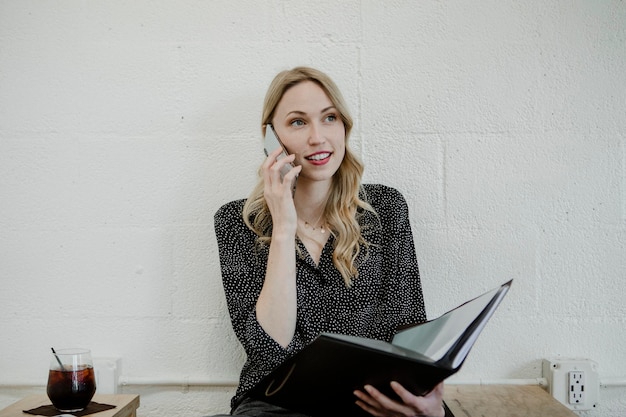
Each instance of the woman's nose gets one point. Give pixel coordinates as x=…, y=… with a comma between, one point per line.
x=315, y=133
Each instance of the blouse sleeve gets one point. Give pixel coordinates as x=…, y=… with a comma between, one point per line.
x=405, y=300
x=243, y=266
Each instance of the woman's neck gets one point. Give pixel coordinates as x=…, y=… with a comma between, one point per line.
x=310, y=199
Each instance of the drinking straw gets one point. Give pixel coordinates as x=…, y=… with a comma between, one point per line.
x=58, y=360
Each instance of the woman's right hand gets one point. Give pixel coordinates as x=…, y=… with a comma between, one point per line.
x=278, y=192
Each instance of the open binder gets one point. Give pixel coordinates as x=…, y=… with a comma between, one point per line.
x=320, y=379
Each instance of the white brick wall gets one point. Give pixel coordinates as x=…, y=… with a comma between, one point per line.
x=125, y=125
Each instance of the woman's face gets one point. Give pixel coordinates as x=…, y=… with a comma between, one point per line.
x=309, y=125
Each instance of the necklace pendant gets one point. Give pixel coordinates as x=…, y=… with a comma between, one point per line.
x=314, y=228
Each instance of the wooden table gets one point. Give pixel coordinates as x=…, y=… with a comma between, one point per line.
x=463, y=400
x=126, y=405
x=503, y=401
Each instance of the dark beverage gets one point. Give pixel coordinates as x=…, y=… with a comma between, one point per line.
x=71, y=389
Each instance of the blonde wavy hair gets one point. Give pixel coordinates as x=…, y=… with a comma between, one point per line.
x=342, y=207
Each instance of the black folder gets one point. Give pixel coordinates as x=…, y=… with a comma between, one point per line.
x=320, y=379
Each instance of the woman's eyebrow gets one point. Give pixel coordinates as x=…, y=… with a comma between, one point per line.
x=301, y=113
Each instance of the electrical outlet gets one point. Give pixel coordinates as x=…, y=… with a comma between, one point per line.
x=574, y=382
x=576, y=387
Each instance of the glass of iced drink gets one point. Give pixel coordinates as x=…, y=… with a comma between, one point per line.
x=71, y=379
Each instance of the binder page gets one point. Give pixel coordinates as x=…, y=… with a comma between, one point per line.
x=435, y=337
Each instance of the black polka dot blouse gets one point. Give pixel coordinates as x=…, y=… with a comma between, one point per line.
x=386, y=294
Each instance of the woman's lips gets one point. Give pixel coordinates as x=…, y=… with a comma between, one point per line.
x=319, y=158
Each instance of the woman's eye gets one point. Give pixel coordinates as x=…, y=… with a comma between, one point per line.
x=297, y=122
x=331, y=118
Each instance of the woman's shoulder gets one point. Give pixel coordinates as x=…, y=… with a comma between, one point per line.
x=389, y=204
x=382, y=195
x=229, y=212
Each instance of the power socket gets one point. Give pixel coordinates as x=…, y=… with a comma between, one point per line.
x=574, y=382
x=576, y=387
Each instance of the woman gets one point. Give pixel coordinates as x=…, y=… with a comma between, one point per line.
x=333, y=256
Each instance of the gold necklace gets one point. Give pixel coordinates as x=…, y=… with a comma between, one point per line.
x=314, y=226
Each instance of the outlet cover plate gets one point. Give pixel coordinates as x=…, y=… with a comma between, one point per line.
x=557, y=372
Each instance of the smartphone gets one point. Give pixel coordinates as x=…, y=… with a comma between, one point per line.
x=271, y=143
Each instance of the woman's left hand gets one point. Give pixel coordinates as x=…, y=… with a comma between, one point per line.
x=379, y=405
